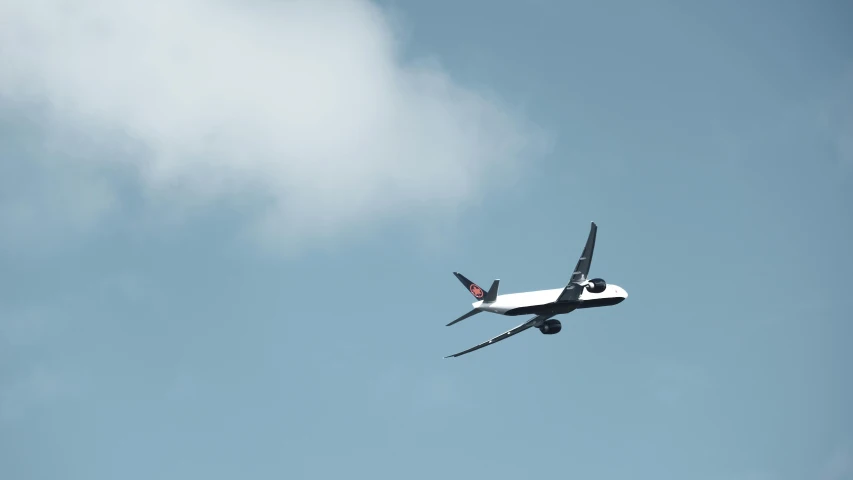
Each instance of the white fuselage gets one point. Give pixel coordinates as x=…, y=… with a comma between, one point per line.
x=506, y=303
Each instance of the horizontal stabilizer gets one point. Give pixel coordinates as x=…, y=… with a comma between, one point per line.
x=463, y=317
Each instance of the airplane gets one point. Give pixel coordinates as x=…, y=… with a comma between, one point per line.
x=579, y=293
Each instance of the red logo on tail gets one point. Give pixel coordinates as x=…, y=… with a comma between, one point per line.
x=477, y=291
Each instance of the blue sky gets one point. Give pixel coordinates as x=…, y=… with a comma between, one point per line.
x=229, y=232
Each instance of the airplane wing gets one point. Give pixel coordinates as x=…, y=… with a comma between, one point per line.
x=524, y=326
x=573, y=290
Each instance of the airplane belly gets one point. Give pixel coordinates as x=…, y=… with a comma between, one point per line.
x=498, y=307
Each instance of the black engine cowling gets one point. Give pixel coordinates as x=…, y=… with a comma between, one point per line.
x=596, y=285
x=551, y=327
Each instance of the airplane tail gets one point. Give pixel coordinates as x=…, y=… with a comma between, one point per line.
x=477, y=291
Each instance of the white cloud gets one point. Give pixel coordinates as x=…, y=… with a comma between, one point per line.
x=304, y=108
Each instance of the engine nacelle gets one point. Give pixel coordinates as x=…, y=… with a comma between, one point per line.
x=596, y=285
x=551, y=327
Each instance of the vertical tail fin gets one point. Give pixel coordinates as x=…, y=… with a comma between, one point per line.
x=492, y=294
x=478, y=291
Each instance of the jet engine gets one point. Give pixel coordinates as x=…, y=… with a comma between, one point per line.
x=551, y=327
x=596, y=285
